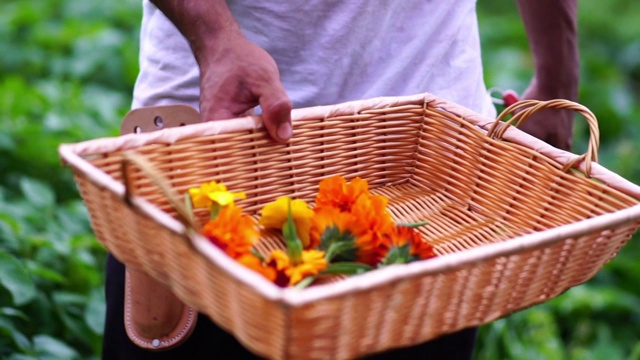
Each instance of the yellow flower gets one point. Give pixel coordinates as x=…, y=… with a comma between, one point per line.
x=274, y=215
x=207, y=193
x=313, y=262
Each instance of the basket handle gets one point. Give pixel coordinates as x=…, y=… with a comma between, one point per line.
x=160, y=181
x=522, y=110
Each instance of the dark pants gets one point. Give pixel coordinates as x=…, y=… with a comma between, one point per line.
x=208, y=341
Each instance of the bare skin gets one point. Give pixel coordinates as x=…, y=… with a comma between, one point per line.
x=551, y=27
x=236, y=75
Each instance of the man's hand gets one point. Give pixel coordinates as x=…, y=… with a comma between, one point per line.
x=238, y=77
x=551, y=27
x=235, y=74
x=554, y=127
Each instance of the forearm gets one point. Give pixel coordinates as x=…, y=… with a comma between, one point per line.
x=236, y=75
x=551, y=27
x=206, y=24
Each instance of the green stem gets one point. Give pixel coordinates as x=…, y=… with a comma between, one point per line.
x=305, y=282
x=215, y=210
x=336, y=248
x=347, y=268
x=257, y=254
x=294, y=245
x=414, y=224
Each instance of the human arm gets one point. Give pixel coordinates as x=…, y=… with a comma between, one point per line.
x=551, y=27
x=235, y=74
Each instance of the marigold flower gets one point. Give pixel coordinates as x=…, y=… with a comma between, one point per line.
x=233, y=232
x=207, y=193
x=336, y=192
x=256, y=264
x=374, y=224
x=312, y=263
x=274, y=215
x=402, y=235
x=327, y=217
x=406, y=245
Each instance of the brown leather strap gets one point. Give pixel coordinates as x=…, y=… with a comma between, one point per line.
x=154, y=317
x=154, y=118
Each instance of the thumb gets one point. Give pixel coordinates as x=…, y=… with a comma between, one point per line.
x=276, y=113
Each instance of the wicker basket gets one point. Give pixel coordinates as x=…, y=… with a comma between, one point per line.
x=515, y=221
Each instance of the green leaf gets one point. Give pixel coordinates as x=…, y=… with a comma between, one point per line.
x=6, y=142
x=94, y=313
x=11, y=312
x=15, y=278
x=635, y=353
x=49, y=347
x=338, y=245
x=294, y=245
x=37, y=192
x=73, y=218
x=10, y=330
x=44, y=272
x=343, y=250
x=8, y=236
x=67, y=299
x=398, y=255
x=347, y=268
x=21, y=357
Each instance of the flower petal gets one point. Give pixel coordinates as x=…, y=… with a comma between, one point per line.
x=274, y=215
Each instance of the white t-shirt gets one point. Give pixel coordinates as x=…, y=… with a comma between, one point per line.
x=331, y=51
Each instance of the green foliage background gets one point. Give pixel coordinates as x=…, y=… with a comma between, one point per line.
x=66, y=73
x=599, y=319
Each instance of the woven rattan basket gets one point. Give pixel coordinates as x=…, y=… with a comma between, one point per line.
x=515, y=221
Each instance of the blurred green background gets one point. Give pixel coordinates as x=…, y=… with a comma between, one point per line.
x=66, y=73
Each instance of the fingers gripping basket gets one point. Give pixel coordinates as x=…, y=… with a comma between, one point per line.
x=515, y=221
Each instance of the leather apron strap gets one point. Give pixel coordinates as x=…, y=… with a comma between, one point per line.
x=154, y=317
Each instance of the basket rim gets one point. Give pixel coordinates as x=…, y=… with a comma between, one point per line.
x=172, y=135
x=71, y=155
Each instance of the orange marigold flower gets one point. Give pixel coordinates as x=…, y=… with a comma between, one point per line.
x=336, y=192
x=274, y=215
x=372, y=247
x=254, y=263
x=233, y=232
x=402, y=235
x=374, y=222
x=313, y=262
x=406, y=245
x=327, y=217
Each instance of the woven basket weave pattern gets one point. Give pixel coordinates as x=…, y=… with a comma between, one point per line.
x=433, y=164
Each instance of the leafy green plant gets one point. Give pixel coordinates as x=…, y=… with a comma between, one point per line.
x=599, y=319
x=50, y=271
x=65, y=75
